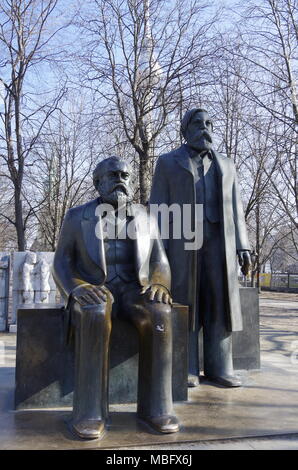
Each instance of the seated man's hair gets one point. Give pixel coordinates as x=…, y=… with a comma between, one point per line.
x=102, y=165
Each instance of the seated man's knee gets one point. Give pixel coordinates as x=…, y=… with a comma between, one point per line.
x=159, y=308
x=100, y=310
x=156, y=315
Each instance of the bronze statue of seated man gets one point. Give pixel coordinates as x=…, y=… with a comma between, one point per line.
x=101, y=276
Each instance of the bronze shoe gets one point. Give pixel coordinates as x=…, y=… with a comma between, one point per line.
x=165, y=424
x=225, y=380
x=88, y=428
x=192, y=380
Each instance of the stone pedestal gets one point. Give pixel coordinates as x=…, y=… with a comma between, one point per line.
x=246, y=343
x=45, y=367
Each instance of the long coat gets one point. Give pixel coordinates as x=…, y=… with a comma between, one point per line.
x=80, y=253
x=173, y=182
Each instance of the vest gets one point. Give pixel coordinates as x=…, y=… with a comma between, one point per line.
x=207, y=188
x=120, y=259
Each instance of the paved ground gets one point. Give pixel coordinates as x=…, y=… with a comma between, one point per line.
x=287, y=442
x=261, y=415
x=279, y=349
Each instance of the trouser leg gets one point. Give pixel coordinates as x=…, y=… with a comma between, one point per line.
x=92, y=335
x=155, y=362
x=217, y=339
x=218, y=359
x=154, y=324
x=193, y=350
x=193, y=345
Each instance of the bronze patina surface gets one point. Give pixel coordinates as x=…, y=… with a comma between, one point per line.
x=102, y=276
x=206, y=278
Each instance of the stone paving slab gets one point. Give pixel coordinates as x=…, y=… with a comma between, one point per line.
x=267, y=404
x=286, y=442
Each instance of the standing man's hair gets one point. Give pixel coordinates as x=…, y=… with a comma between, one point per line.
x=188, y=117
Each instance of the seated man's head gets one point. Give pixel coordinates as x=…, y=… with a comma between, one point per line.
x=113, y=179
x=196, y=128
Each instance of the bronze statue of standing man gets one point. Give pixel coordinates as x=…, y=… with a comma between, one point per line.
x=206, y=279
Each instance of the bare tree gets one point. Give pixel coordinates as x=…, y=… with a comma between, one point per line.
x=25, y=33
x=61, y=178
x=284, y=257
x=8, y=240
x=254, y=97
x=270, y=46
x=136, y=58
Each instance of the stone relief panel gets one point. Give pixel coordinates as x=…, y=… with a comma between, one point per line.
x=32, y=280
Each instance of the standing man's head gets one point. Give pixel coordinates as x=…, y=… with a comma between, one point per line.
x=113, y=179
x=197, y=129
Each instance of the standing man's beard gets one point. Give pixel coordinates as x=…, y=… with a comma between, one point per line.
x=207, y=136
x=202, y=142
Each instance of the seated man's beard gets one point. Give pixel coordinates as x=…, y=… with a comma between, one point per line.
x=118, y=196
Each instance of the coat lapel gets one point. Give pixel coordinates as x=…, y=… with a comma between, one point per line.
x=92, y=235
x=183, y=159
x=142, y=241
x=220, y=163
x=93, y=239
x=225, y=174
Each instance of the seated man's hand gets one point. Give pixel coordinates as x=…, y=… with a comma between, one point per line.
x=158, y=293
x=87, y=294
x=244, y=261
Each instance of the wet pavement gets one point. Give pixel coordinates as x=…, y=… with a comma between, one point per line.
x=263, y=414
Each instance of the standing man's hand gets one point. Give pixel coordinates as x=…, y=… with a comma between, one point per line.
x=244, y=261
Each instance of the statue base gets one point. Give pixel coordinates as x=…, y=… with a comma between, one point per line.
x=45, y=365
x=246, y=343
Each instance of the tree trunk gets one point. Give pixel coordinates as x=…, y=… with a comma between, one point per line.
x=18, y=183
x=19, y=221
x=258, y=246
x=144, y=179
